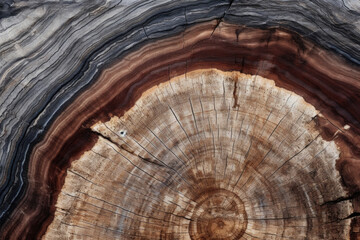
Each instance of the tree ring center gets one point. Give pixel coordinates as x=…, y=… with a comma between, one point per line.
x=219, y=214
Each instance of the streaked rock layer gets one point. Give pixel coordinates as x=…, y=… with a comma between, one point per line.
x=67, y=65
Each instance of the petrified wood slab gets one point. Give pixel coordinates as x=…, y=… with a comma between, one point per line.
x=180, y=120
x=206, y=155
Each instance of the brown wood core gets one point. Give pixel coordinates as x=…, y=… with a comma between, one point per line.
x=219, y=214
x=206, y=155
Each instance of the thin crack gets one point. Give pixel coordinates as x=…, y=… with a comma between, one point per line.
x=219, y=20
x=341, y=199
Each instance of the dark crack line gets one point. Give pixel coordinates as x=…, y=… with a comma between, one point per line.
x=341, y=199
x=219, y=20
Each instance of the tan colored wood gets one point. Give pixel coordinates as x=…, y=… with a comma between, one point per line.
x=206, y=155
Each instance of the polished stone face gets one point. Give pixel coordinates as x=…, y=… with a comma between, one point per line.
x=180, y=119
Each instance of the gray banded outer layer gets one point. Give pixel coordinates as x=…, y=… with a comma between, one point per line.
x=70, y=53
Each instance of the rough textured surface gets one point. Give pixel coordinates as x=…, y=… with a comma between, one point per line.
x=54, y=84
x=208, y=155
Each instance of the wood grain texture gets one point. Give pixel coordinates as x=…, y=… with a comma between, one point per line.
x=207, y=155
x=68, y=65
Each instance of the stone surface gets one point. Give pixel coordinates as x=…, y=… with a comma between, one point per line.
x=67, y=65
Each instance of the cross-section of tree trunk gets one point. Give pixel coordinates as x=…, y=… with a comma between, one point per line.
x=191, y=119
x=206, y=155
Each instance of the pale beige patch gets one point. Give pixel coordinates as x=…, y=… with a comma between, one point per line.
x=157, y=169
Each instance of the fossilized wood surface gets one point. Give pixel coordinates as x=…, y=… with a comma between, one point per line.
x=208, y=155
x=68, y=66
